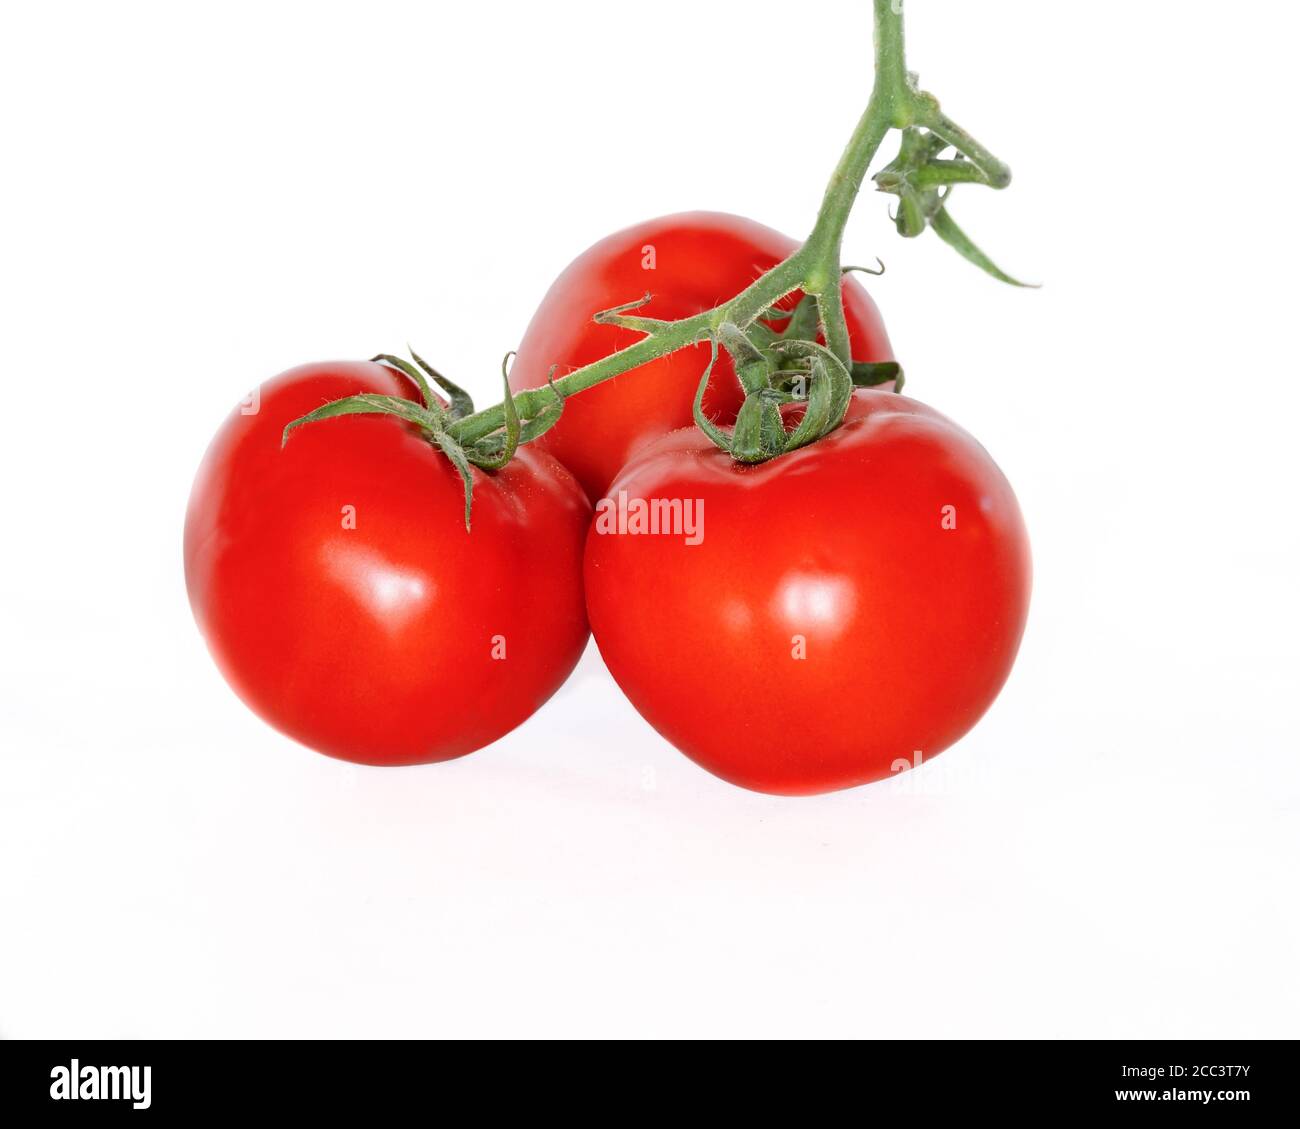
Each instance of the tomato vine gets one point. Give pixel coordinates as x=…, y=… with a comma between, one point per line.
x=774, y=369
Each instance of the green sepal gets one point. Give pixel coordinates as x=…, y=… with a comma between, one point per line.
x=869, y=374
x=717, y=436
x=825, y=366
x=817, y=414
x=490, y=446
x=456, y=454
x=743, y=351
x=950, y=233
x=910, y=220
x=753, y=369
x=754, y=377
x=759, y=433
x=369, y=403
x=804, y=321
x=495, y=456
x=841, y=390
x=762, y=334
x=461, y=403
x=426, y=393
x=545, y=419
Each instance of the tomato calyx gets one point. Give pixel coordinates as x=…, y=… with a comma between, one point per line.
x=436, y=419
x=778, y=368
x=802, y=329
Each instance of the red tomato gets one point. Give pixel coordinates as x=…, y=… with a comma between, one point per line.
x=848, y=605
x=690, y=263
x=344, y=600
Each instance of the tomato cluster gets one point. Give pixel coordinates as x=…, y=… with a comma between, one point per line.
x=795, y=626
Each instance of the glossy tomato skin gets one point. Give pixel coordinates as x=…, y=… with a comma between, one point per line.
x=341, y=595
x=830, y=625
x=699, y=260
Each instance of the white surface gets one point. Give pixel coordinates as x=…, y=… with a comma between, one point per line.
x=198, y=196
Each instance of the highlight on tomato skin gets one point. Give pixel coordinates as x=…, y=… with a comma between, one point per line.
x=689, y=263
x=341, y=596
x=849, y=606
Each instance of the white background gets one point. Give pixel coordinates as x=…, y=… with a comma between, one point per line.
x=198, y=196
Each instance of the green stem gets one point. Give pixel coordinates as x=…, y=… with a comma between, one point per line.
x=890, y=106
x=676, y=335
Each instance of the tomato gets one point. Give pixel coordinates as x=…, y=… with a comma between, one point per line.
x=690, y=263
x=342, y=596
x=848, y=607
